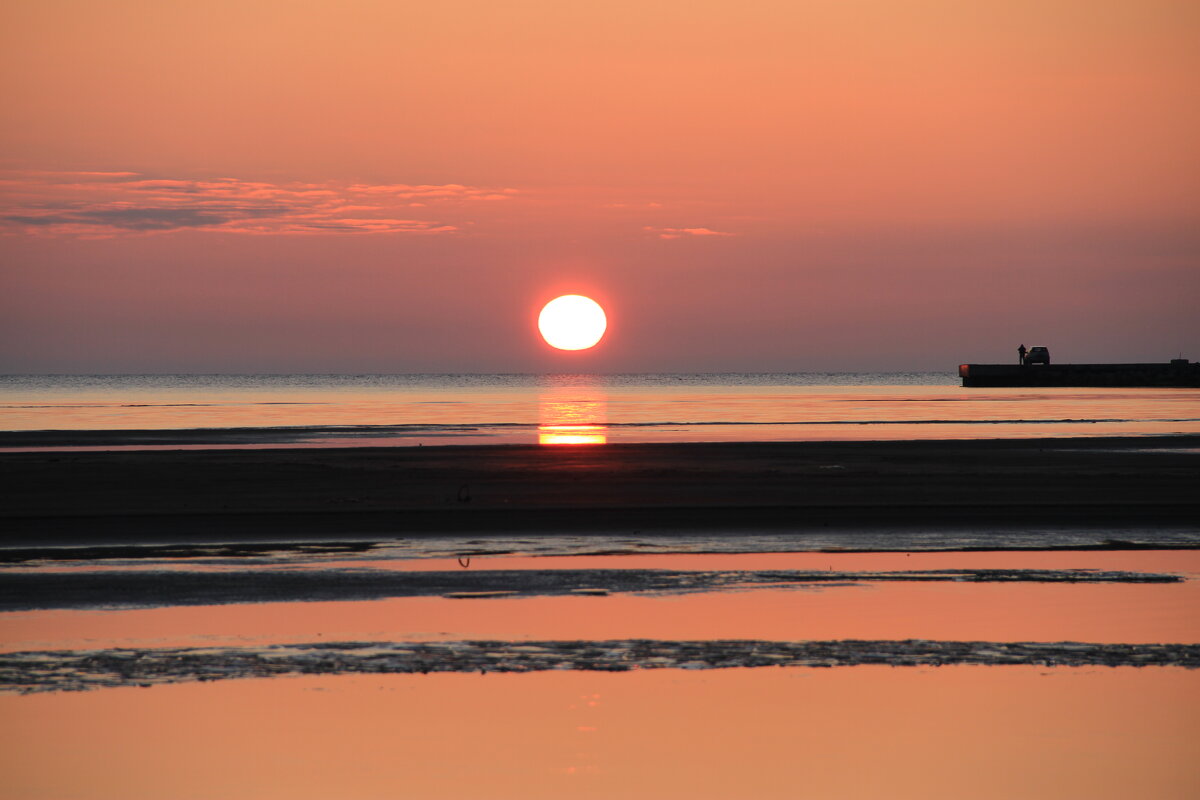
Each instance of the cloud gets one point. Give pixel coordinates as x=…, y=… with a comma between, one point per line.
x=680, y=233
x=454, y=191
x=114, y=203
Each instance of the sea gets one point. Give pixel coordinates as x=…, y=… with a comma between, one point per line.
x=147, y=411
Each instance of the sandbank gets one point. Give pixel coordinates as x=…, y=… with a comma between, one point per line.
x=97, y=497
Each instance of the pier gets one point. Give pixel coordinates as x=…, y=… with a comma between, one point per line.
x=1177, y=372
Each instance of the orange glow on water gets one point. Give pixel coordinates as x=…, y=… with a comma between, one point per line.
x=573, y=415
x=633, y=414
x=572, y=434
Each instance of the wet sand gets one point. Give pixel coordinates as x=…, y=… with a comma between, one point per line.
x=1098, y=611
x=25, y=591
x=1105, y=611
x=50, y=671
x=230, y=495
x=111, y=626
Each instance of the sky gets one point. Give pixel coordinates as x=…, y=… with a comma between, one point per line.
x=810, y=185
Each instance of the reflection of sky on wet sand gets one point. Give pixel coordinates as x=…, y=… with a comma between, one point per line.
x=1144, y=613
x=845, y=732
x=1047, y=612
x=979, y=732
x=572, y=415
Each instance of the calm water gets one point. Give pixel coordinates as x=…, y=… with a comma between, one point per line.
x=843, y=734
x=552, y=409
x=840, y=732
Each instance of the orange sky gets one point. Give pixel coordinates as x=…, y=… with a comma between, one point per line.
x=376, y=186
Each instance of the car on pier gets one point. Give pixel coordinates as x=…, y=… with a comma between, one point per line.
x=1038, y=355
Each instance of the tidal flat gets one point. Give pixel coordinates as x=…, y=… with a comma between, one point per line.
x=1012, y=619
x=985, y=674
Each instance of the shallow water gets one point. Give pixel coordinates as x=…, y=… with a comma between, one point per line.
x=379, y=410
x=841, y=732
x=980, y=732
x=842, y=609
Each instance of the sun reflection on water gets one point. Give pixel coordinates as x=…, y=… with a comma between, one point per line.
x=572, y=415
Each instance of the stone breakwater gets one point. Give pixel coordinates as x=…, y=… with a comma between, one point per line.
x=82, y=670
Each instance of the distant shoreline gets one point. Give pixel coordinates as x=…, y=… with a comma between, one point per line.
x=300, y=493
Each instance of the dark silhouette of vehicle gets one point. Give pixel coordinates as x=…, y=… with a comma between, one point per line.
x=1038, y=355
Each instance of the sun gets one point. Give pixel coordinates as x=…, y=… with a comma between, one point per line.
x=572, y=322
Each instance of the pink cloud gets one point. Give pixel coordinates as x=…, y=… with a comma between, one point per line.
x=115, y=203
x=449, y=191
x=679, y=233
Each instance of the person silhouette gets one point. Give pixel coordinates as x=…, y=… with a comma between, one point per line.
x=1021, y=351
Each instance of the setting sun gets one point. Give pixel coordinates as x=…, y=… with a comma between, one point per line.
x=572, y=322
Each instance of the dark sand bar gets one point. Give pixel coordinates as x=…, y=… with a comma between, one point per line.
x=110, y=589
x=82, y=670
x=228, y=495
